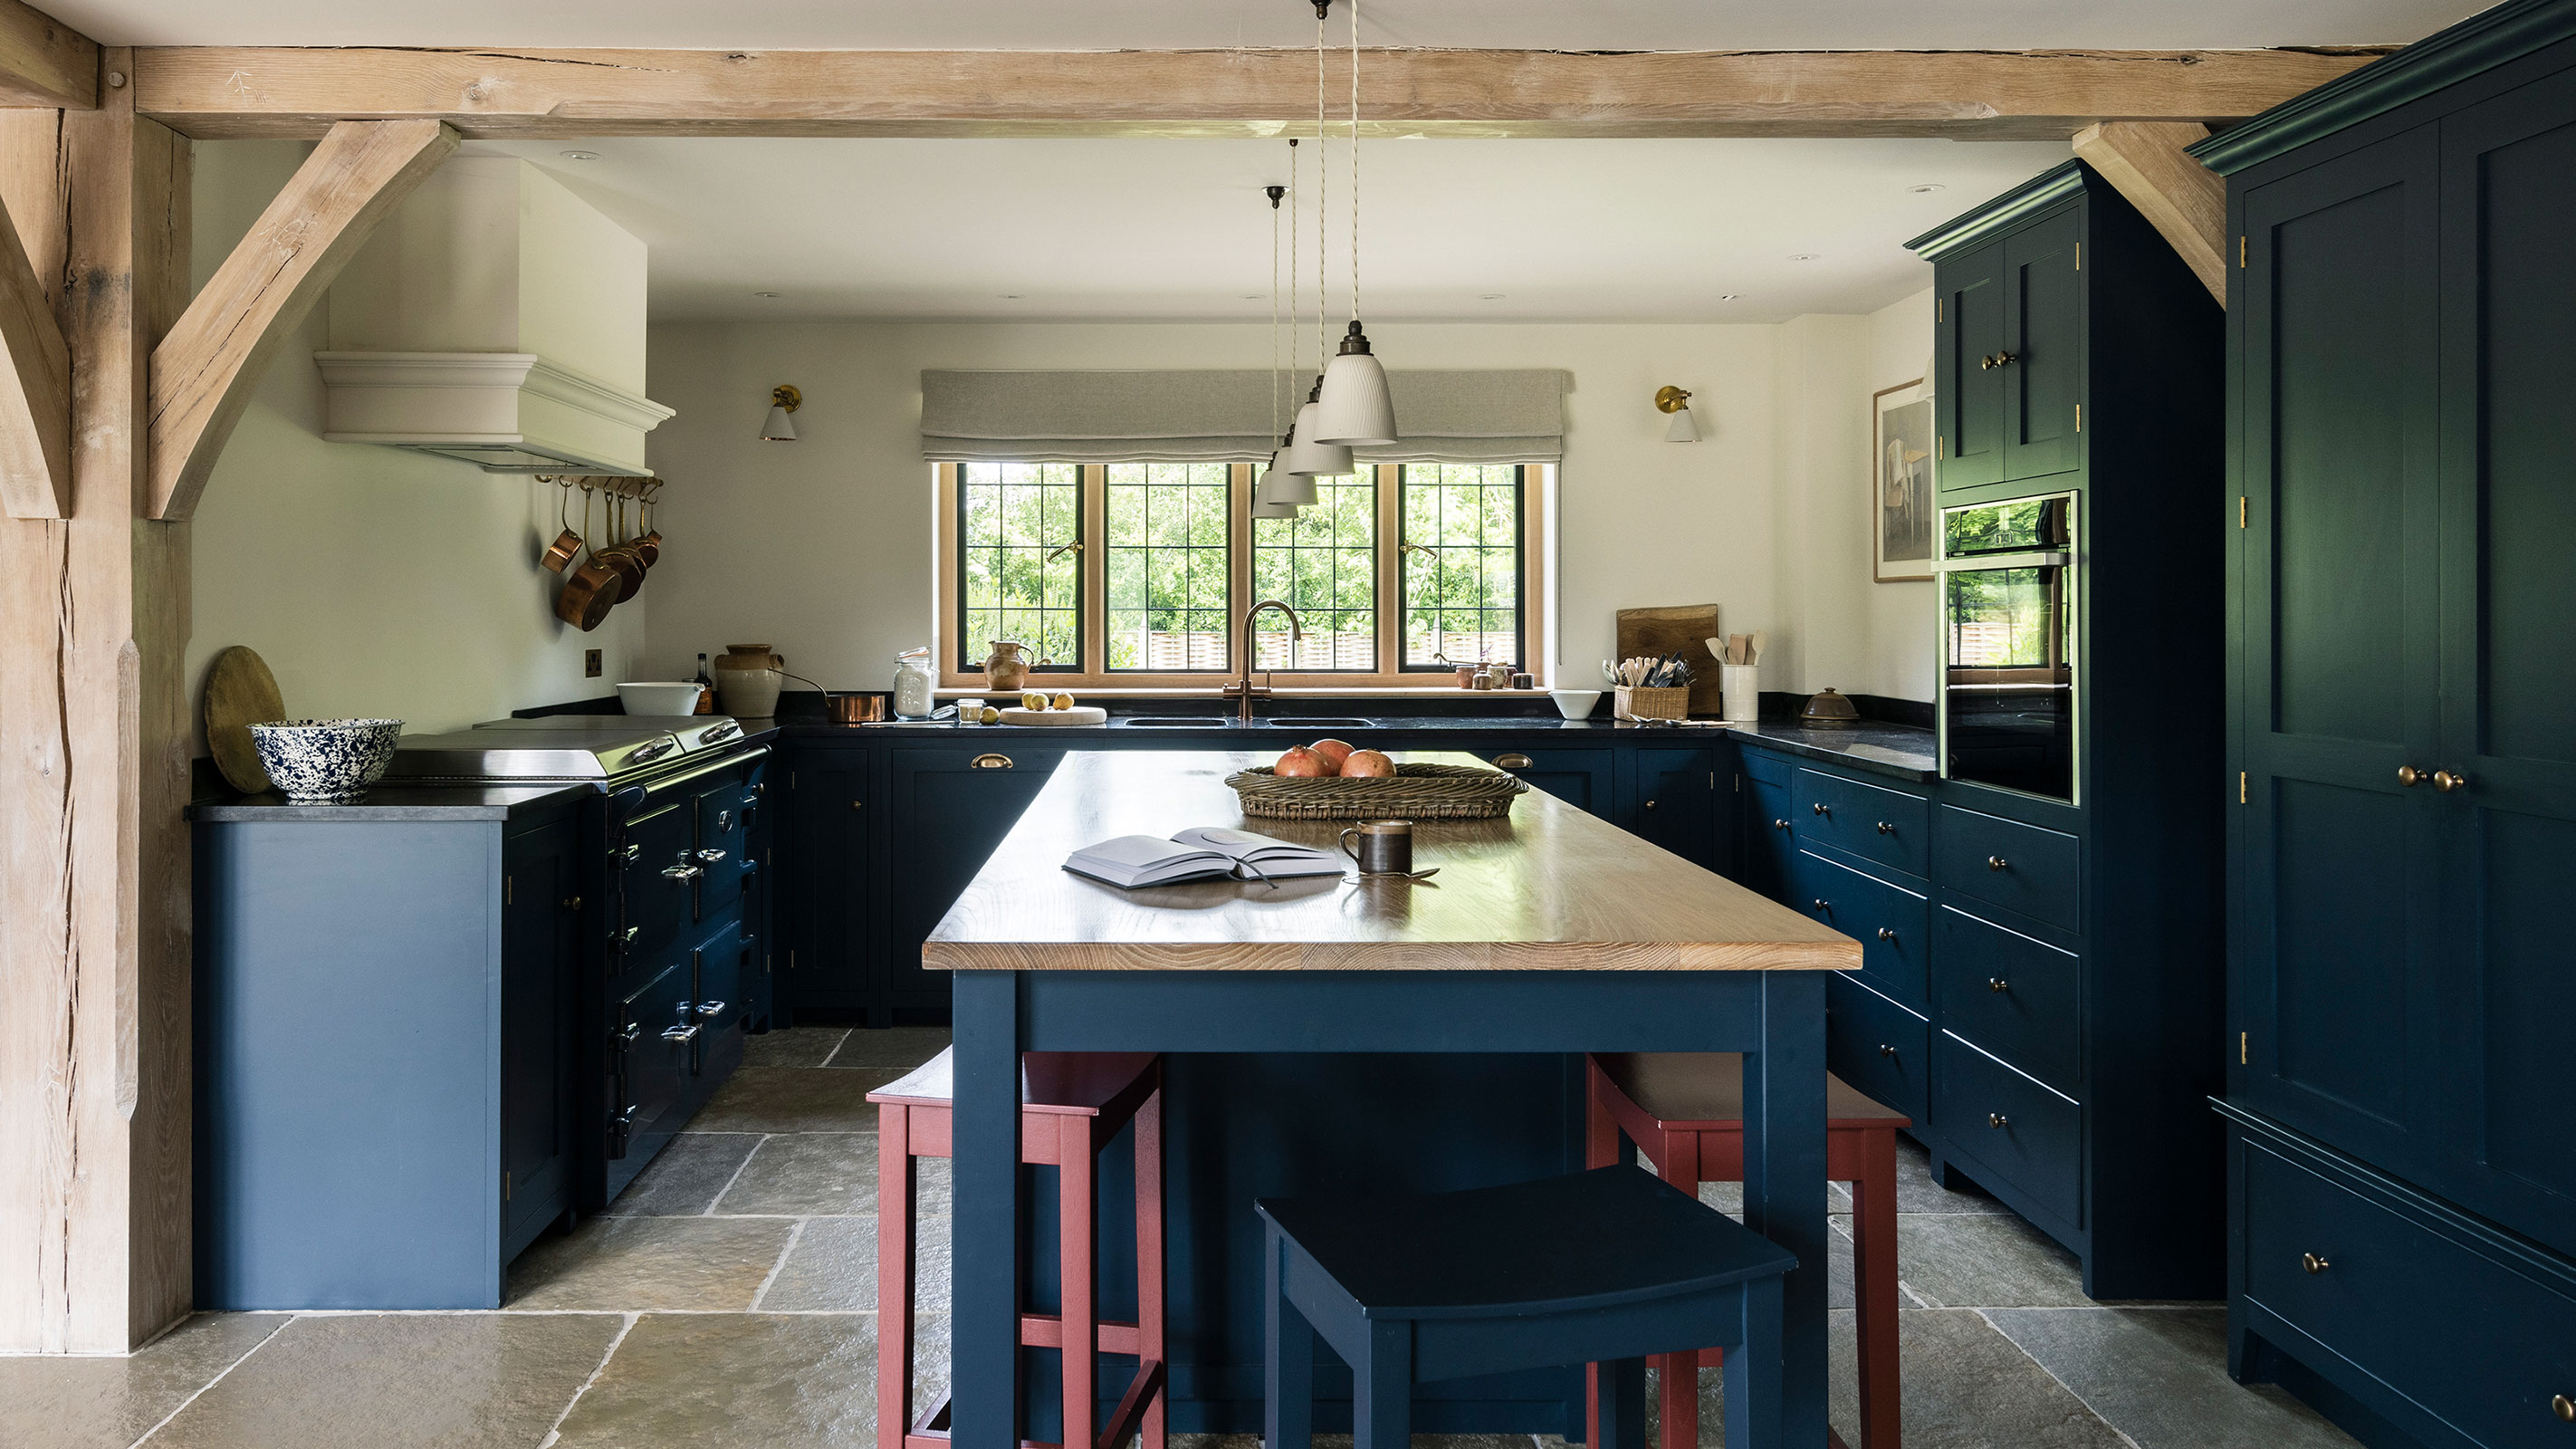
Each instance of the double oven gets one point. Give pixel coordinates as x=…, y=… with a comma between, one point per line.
x=2009, y=593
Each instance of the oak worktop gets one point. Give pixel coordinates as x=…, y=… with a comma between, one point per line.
x=1551, y=887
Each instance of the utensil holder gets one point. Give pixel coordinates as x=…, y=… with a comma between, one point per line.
x=1740, y=689
x=1642, y=702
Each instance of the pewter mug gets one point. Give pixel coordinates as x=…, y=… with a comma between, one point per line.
x=1385, y=846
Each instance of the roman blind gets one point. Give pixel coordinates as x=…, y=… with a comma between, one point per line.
x=1500, y=416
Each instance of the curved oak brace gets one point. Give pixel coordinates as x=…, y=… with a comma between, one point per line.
x=2181, y=198
x=45, y=63
x=204, y=371
x=35, y=391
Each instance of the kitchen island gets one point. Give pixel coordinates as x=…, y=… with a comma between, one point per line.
x=1545, y=935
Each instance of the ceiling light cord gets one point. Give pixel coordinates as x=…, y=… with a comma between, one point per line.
x=1274, y=194
x=1355, y=160
x=1322, y=342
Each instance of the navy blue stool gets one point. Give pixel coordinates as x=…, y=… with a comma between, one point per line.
x=1604, y=1266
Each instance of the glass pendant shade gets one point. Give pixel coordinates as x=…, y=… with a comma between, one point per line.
x=1266, y=502
x=1355, y=407
x=1309, y=458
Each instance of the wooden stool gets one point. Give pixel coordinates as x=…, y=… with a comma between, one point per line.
x=1071, y=1105
x=1601, y=1265
x=1686, y=1111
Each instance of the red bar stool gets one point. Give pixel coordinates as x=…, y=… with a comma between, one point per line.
x=1686, y=1111
x=1071, y=1105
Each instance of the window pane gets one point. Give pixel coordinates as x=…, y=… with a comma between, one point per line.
x=1168, y=565
x=1011, y=518
x=1321, y=565
x=1462, y=565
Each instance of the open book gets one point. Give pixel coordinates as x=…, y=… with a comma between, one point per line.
x=1199, y=853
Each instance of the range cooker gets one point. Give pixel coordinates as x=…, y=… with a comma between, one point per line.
x=673, y=910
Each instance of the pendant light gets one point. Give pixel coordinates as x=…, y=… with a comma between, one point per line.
x=1304, y=458
x=1265, y=502
x=1352, y=404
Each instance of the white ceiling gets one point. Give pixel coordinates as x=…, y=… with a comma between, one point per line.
x=1156, y=24
x=1610, y=230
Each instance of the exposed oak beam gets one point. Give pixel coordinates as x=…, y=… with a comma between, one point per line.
x=204, y=372
x=215, y=92
x=2182, y=198
x=44, y=62
x=35, y=390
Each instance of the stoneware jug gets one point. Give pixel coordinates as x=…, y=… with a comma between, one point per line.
x=748, y=677
x=1007, y=668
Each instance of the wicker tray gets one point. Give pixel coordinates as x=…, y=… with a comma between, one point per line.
x=1413, y=792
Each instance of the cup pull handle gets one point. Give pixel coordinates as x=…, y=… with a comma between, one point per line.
x=991, y=762
x=1513, y=761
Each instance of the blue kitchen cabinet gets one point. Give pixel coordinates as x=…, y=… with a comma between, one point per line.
x=1581, y=775
x=827, y=887
x=1968, y=391
x=949, y=807
x=1675, y=802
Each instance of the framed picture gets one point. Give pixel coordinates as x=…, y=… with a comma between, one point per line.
x=1902, y=509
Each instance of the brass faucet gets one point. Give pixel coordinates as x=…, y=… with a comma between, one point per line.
x=1242, y=688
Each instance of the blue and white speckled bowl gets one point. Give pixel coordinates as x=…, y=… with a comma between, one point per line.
x=326, y=761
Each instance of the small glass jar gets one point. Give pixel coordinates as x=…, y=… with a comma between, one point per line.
x=914, y=682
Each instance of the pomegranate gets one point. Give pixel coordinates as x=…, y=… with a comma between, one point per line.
x=1367, y=763
x=1333, y=753
x=1300, y=763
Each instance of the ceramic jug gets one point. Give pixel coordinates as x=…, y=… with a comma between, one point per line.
x=748, y=677
x=1006, y=670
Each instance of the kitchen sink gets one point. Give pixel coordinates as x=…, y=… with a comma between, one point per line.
x=1178, y=722
x=1318, y=722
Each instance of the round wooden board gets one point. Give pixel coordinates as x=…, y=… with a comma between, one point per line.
x=240, y=692
x=1080, y=714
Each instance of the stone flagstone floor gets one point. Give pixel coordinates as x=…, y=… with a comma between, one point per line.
x=727, y=1300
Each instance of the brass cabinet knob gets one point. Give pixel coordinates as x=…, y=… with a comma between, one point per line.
x=1821, y=808
x=1513, y=762
x=1997, y=1119
x=2313, y=1263
x=2002, y=358
x=2564, y=1407
x=1887, y=827
x=1996, y=862
x=1997, y=983
x=1779, y=824
x=1887, y=935
x=858, y=804
x=2446, y=782
x=2410, y=777
x=1885, y=1050
x=572, y=903
x=1650, y=804
x=1825, y=906
x=991, y=762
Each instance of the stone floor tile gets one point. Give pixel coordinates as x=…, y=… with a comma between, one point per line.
x=2159, y=1375
x=801, y=1174
x=896, y=1048
x=108, y=1403
x=1965, y=1387
x=1965, y=1260
x=392, y=1381
x=830, y=1267
x=1916, y=1192
x=721, y=1381
x=685, y=1178
x=794, y=1099
x=795, y=1046
x=639, y=1264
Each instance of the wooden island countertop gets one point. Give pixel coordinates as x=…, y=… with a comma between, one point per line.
x=1550, y=887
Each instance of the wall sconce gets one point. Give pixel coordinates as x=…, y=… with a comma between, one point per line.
x=783, y=399
x=1674, y=400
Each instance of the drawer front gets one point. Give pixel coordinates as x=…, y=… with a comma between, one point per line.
x=2026, y=868
x=2018, y=998
x=1887, y=826
x=1765, y=766
x=1889, y=922
x=1876, y=1045
x=2025, y=1134
x=715, y=1006
x=2472, y=1340
x=724, y=844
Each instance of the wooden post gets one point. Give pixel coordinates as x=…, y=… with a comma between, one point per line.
x=94, y=891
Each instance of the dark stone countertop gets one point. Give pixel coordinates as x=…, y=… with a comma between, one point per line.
x=1290, y=729
x=413, y=803
x=1904, y=751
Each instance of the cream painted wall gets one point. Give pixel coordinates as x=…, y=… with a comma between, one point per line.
x=1903, y=619
x=373, y=582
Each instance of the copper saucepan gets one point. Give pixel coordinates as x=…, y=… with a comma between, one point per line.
x=591, y=591
x=621, y=555
x=649, y=547
x=560, y=553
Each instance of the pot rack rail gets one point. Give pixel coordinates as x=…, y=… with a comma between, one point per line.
x=642, y=490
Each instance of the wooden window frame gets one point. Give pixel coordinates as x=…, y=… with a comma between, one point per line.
x=1537, y=484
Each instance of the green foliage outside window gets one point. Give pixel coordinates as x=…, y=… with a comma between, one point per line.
x=1462, y=564
x=1169, y=563
x=1323, y=564
x=1020, y=562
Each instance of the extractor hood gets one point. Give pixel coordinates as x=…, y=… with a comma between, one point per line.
x=496, y=318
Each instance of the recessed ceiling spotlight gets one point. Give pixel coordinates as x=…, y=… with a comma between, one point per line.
x=1254, y=296
x=579, y=155
x=1925, y=188
x=1010, y=296
x=1730, y=296
x=1806, y=256
x=1489, y=296
x=766, y=296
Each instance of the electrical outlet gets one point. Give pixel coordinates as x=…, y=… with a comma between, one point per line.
x=590, y=664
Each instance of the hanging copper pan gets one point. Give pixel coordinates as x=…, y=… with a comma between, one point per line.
x=649, y=547
x=621, y=555
x=592, y=590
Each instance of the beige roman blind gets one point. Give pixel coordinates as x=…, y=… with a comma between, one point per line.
x=1500, y=416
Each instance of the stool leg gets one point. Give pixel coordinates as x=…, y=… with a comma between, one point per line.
x=1874, y=1290
x=1149, y=1260
x=895, y=1201
x=1078, y=1246
x=1288, y=1389
x=1382, y=1388
x=1621, y=1424
x=1677, y=1159
x=1753, y=1371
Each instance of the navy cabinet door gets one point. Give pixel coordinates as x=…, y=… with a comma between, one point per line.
x=1677, y=804
x=2043, y=376
x=2340, y=647
x=828, y=950
x=948, y=809
x=539, y=914
x=1585, y=777
x=2508, y=657
x=1767, y=838
x=1968, y=390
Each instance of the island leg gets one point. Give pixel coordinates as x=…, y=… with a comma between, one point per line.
x=984, y=1281
x=1784, y=1189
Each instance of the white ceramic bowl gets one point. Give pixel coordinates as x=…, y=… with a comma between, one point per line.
x=1575, y=703
x=325, y=761
x=660, y=697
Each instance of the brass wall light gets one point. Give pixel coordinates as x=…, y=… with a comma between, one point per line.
x=783, y=399
x=1676, y=401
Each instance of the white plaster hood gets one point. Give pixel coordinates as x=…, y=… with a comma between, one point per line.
x=498, y=319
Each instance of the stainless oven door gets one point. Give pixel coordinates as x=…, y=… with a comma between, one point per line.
x=2008, y=645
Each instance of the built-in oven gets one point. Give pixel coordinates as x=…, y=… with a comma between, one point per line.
x=2008, y=601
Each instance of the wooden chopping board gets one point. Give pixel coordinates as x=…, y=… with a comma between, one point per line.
x=1677, y=630
x=240, y=692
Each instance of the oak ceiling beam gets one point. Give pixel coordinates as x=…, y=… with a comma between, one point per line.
x=2181, y=198
x=35, y=390
x=204, y=371
x=45, y=63
x=501, y=94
